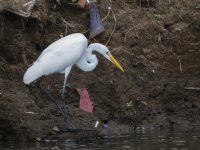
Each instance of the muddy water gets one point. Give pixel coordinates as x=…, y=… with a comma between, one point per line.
x=139, y=140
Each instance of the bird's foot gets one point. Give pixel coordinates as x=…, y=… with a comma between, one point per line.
x=62, y=107
x=68, y=128
x=60, y=104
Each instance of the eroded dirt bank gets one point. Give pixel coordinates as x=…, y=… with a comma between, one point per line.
x=158, y=46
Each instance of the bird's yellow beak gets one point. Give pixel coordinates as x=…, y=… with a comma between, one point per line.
x=114, y=61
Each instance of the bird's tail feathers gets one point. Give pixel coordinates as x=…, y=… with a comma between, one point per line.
x=33, y=73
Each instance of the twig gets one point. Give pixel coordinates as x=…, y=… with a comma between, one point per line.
x=66, y=24
x=86, y=31
x=113, y=27
x=114, y=17
x=125, y=37
x=130, y=30
x=192, y=88
x=179, y=60
x=94, y=39
x=135, y=31
x=109, y=10
x=24, y=57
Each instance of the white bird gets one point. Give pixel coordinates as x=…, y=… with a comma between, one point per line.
x=62, y=54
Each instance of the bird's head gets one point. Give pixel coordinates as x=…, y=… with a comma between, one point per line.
x=111, y=58
x=103, y=50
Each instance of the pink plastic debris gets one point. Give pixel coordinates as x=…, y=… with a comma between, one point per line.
x=85, y=102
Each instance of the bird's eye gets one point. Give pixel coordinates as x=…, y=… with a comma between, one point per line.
x=107, y=52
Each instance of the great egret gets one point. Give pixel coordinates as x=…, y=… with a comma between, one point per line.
x=60, y=56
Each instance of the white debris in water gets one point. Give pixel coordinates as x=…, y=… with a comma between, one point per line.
x=47, y=140
x=126, y=147
x=55, y=147
x=38, y=139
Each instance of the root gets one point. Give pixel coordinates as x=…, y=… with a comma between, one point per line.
x=3, y=67
x=87, y=30
x=113, y=28
x=114, y=17
x=179, y=60
x=24, y=58
x=108, y=14
x=133, y=27
x=192, y=88
x=180, y=64
x=66, y=24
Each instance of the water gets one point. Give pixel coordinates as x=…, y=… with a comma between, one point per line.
x=139, y=140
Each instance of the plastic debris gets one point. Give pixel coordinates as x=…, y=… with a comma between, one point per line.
x=85, y=102
x=105, y=126
x=29, y=112
x=96, y=25
x=20, y=7
x=56, y=129
x=96, y=124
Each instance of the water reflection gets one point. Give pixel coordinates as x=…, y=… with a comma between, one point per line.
x=139, y=140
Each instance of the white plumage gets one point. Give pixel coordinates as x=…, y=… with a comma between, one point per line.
x=57, y=57
x=62, y=54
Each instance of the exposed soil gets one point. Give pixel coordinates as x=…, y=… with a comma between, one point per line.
x=157, y=44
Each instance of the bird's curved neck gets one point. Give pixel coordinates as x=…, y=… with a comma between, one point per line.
x=89, y=61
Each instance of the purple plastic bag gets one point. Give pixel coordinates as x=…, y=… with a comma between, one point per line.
x=96, y=25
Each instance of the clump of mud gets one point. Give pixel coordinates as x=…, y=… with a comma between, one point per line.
x=156, y=43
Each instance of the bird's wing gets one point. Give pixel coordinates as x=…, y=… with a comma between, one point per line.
x=57, y=57
x=67, y=42
x=63, y=53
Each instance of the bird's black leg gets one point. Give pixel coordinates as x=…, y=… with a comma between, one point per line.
x=60, y=104
x=38, y=85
